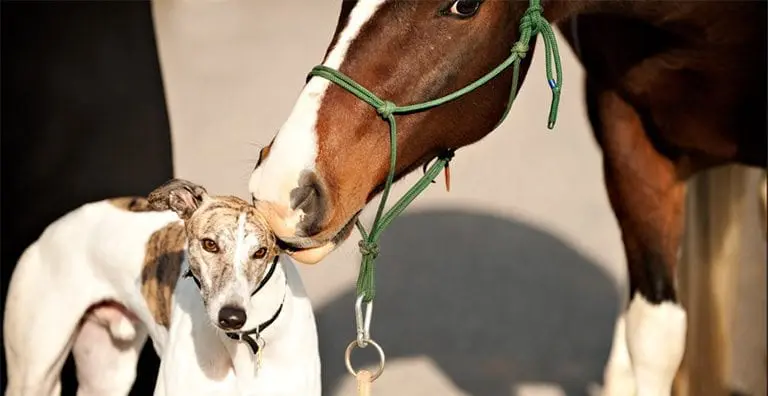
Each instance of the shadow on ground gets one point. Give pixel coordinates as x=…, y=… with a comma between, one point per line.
x=494, y=302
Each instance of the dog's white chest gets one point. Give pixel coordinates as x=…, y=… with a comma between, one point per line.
x=199, y=359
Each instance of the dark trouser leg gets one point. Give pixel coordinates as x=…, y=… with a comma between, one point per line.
x=83, y=118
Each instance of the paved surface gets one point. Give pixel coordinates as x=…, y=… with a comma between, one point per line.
x=508, y=285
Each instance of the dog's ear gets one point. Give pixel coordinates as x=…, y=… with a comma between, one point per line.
x=178, y=195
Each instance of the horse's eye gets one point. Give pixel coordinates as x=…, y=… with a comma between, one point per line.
x=465, y=8
x=263, y=153
x=260, y=253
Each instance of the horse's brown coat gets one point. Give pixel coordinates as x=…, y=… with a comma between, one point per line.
x=691, y=73
x=673, y=88
x=676, y=88
x=694, y=71
x=426, y=66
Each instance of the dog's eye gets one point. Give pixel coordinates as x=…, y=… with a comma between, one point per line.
x=260, y=254
x=464, y=8
x=209, y=245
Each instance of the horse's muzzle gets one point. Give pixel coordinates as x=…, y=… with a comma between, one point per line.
x=310, y=251
x=288, y=231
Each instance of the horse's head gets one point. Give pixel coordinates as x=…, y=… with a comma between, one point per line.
x=332, y=154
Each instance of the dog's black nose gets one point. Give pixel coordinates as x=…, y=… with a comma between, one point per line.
x=231, y=317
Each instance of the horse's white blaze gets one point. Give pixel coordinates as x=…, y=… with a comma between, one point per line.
x=295, y=147
x=656, y=342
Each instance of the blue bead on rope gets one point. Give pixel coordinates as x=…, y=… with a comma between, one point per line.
x=552, y=84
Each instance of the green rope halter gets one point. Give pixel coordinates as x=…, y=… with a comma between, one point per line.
x=531, y=23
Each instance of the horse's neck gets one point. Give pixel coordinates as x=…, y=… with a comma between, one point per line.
x=687, y=15
x=557, y=11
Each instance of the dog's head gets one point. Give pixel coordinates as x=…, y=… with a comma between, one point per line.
x=230, y=248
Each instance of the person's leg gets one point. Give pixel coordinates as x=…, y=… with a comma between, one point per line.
x=83, y=118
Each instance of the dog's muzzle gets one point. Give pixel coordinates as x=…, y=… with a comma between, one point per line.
x=253, y=337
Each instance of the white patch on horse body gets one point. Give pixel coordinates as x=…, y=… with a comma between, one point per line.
x=656, y=343
x=295, y=147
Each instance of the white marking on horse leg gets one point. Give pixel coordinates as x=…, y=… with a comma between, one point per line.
x=619, y=380
x=656, y=343
x=295, y=147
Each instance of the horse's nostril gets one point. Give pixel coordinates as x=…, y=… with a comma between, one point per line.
x=310, y=198
x=231, y=317
x=304, y=198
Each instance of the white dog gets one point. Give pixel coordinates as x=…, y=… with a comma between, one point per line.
x=204, y=280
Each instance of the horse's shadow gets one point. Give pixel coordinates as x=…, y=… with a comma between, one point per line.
x=492, y=301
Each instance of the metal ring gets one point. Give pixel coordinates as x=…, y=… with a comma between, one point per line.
x=348, y=360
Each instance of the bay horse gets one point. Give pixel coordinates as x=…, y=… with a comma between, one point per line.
x=672, y=88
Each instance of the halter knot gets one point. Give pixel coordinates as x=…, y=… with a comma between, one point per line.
x=520, y=48
x=368, y=248
x=386, y=109
x=447, y=154
x=531, y=18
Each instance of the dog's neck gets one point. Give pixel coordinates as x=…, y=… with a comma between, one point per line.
x=271, y=305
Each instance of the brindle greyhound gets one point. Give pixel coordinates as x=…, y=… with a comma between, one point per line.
x=105, y=276
x=672, y=88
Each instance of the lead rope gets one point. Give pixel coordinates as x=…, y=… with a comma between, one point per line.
x=364, y=382
x=531, y=24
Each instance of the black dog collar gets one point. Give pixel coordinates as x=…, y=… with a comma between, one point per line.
x=247, y=336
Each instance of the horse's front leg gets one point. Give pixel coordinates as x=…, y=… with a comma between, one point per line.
x=646, y=193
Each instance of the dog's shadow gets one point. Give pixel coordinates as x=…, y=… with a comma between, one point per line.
x=493, y=302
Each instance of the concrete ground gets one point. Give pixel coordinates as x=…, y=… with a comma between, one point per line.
x=507, y=285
